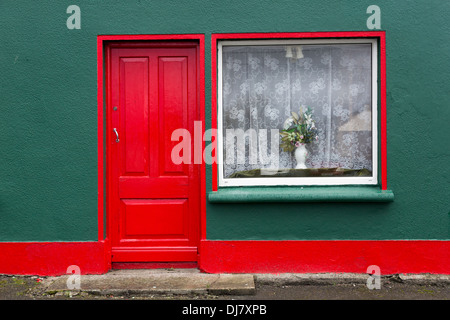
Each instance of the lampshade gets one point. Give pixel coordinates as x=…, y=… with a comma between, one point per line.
x=299, y=52
x=289, y=52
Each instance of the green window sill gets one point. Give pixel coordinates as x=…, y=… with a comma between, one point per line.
x=301, y=194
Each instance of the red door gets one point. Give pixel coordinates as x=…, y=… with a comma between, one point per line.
x=154, y=206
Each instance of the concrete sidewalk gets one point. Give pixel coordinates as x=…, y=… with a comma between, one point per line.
x=157, y=281
x=193, y=282
x=174, y=284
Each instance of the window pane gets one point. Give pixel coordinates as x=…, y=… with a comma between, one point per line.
x=262, y=85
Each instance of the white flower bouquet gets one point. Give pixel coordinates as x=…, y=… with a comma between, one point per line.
x=298, y=129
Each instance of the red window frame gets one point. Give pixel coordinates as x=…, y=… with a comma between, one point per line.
x=381, y=35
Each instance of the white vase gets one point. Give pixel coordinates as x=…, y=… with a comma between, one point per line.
x=300, y=156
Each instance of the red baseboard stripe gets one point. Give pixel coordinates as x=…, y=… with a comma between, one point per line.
x=52, y=258
x=341, y=256
x=403, y=256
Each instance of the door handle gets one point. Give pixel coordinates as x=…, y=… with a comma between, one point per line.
x=117, y=135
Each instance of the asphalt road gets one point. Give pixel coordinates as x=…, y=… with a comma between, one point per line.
x=271, y=301
x=28, y=288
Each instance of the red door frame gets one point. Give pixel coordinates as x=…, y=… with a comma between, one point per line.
x=103, y=99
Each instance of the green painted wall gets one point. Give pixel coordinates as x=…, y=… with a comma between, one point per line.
x=48, y=104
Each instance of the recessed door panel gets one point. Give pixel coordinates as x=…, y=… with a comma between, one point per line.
x=154, y=218
x=134, y=115
x=173, y=110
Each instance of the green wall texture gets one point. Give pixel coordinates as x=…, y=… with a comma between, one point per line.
x=48, y=104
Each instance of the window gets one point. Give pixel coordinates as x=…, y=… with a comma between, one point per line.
x=277, y=95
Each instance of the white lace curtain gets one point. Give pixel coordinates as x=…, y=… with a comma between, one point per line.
x=261, y=86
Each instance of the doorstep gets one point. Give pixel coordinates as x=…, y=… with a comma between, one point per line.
x=149, y=282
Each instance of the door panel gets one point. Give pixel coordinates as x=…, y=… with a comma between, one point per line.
x=172, y=92
x=154, y=204
x=134, y=120
x=154, y=218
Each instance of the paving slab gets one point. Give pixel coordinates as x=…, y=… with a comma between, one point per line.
x=146, y=282
x=346, y=278
x=236, y=284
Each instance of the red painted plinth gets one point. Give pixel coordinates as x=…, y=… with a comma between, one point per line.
x=342, y=256
x=403, y=256
x=52, y=258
